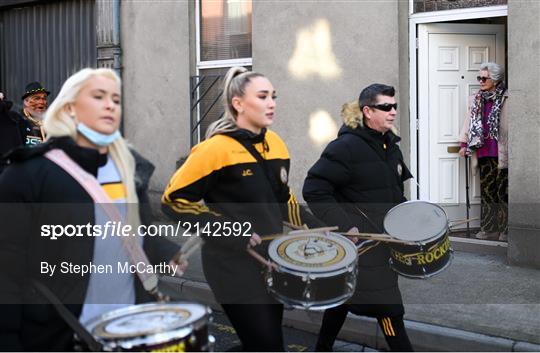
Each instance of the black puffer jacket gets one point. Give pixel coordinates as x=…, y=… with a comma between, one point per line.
x=358, y=178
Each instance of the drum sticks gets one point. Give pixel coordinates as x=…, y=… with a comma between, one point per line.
x=375, y=236
x=462, y=221
x=296, y=232
x=188, y=248
x=261, y=259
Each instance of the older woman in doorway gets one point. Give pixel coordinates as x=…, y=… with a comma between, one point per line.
x=485, y=137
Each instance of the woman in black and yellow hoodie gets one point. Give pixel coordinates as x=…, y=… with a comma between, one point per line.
x=239, y=174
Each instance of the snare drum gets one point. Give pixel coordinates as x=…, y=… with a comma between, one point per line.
x=424, y=227
x=314, y=271
x=156, y=327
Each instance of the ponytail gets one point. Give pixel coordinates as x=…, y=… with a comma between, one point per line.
x=234, y=85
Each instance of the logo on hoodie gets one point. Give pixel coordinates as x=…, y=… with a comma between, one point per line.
x=283, y=175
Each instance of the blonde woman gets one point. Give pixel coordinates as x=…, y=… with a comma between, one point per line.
x=83, y=123
x=238, y=177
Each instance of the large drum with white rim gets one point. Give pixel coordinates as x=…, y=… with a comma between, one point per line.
x=156, y=327
x=423, y=228
x=315, y=271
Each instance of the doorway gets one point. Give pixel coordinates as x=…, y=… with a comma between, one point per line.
x=449, y=57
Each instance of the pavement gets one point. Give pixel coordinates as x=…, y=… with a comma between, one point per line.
x=478, y=303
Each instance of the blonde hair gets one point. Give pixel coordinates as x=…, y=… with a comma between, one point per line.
x=236, y=81
x=59, y=123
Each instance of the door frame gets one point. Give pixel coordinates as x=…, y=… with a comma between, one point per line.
x=417, y=77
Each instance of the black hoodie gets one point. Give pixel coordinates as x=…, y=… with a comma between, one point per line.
x=234, y=187
x=362, y=170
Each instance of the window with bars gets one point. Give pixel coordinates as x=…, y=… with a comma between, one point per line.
x=223, y=41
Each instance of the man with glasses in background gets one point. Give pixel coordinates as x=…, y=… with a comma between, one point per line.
x=34, y=107
x=358, y=178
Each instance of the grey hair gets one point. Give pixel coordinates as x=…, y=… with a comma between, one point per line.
x=235, y=84
x=495, y=70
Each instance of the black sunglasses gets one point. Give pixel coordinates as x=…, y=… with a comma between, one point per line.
x=482, y=78
x=386, y=107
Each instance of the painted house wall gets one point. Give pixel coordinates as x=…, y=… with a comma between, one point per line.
x=319, y=56
x=156, y=70
x=524, y=132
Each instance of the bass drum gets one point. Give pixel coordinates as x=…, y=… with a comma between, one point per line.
x=314, y=271
x=424, y=229
x=156, y=327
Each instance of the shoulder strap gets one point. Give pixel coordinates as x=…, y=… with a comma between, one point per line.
x=91, y=185
x=68, y=317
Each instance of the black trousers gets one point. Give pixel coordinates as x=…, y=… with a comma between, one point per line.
x=392, y=327
x=257, y=325
x=494, y=195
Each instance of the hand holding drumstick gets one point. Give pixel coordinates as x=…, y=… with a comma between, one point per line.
x=254, y=241
x=180, y=259
x=352, y=231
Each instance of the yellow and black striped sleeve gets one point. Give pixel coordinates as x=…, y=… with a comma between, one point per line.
x=298, y=215
x=183, y=199
x=189, y=184
x=293, y=211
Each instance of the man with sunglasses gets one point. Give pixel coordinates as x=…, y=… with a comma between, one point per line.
x=358, y=178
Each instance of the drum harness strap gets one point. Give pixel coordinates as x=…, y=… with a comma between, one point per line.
x=133, y=248
x=368, y=244
x=68, y=317
x=93, y=188
x=262, y=162
x=273, y=185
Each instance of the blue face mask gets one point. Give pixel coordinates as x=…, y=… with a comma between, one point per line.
x=97, y=138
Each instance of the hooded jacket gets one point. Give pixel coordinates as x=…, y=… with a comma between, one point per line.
x=222, y=183
x=358, y=178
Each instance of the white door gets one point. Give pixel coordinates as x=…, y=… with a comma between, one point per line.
x=451, y=55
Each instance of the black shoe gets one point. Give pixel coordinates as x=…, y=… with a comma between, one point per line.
x=320, y=347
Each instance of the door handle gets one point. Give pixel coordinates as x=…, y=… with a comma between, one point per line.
x=453, y=149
